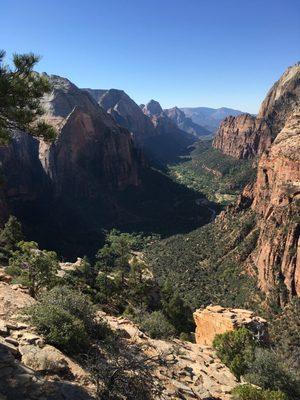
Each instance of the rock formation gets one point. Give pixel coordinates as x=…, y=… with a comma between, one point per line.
x=126, y=113
x=160, y=138
x=32, y=369
x=29, y=368
x=170, y=141
x=245, y=136
x=185, y=123
x=276, y=199
x=71, y=184
x=274, y=135
x=282, y=100
x=214, y=320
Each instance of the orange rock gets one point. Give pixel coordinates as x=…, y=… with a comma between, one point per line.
x=214, y=320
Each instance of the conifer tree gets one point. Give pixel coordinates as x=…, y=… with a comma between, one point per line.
x=21, y=89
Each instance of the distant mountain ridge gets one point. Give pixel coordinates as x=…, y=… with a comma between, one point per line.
x=160, y=137
x=185, y=123
x=209, y=118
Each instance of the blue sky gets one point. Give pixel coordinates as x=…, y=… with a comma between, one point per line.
x=186, y=53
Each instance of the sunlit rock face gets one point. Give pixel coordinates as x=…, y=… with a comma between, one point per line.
x=246, y=136
x=277, y=201
x=215, y=320
x=243, y=137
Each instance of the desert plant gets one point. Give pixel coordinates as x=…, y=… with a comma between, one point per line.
x=157, y=325
x=36, y=268
x=235, y=349
x=59, y=327
x=249, y=392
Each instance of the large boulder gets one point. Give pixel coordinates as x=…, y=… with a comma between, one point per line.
x=46, y=359
x=214, y=320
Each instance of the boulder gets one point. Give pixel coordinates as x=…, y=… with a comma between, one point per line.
x=214, y=320
x=47, y=359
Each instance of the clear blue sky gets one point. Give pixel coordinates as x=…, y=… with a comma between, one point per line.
x=181, y=52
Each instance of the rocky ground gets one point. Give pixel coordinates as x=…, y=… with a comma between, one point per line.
x=31, y=369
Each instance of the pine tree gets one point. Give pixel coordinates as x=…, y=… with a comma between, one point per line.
x=10, y=236
x=21, y=89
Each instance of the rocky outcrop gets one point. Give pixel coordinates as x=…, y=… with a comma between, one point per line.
x=152, y=108
x=127, y=114
x=184, y=123
x=32, y=369
x=189, y=370
x=70, y=185
x=91, y=150
x=29, y=368
x=282, y=100
x=215, y=320
x=170, y=141
x=243, y=136
x=276, y=198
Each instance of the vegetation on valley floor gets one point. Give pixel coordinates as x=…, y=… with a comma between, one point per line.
x=216, y=175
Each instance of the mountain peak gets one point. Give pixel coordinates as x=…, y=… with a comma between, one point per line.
x=152, y=108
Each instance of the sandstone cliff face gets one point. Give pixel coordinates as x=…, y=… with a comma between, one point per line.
x=72, y=184
x=158, y=136
x=277, y=201
x=170, y=141
x=215, y=320
x=91, y=151
x=282, y=100
x=275, y=136
x=243, y=136
x=127, y=114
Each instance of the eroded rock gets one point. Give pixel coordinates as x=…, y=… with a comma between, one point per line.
x=214, y=320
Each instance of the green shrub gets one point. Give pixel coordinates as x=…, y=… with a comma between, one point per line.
x=38, y=267
x=268, y=372
x=235, y=349
x=10, y=236
x=248, y=392
x=157, y=326
x=66, y=318
x=72, y=301
x=59, y=327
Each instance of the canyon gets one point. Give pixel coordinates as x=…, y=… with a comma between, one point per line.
x=273, y=136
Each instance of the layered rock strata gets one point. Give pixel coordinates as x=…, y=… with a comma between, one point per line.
x=215, y=320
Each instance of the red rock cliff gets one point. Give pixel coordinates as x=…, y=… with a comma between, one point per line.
x=245, y=136
x=277, y=202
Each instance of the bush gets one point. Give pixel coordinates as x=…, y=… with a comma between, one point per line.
x=248, y=392
x=59, y=327
x=72, y=301
x=236, y=350
x=267, y=372
x=285, y=334
x=65, y=317
x=157, y=326
x=10, y=236
x=34, y=267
